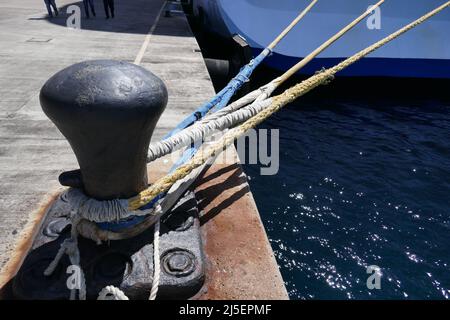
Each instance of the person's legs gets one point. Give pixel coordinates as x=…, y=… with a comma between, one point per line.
x=86, y=8
x=105, y=4
x=55, y=8
x=49, y=10
x=111, y=7
x=91, y=4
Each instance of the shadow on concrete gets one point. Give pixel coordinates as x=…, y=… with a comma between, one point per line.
x=131, y=16
x=229, y=179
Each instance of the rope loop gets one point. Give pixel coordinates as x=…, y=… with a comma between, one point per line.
x=111, y=293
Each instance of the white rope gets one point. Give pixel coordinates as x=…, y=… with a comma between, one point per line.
x=200, y=132
x=81, y=208
x=100, y=210
x=70, y=247
x=156, y=263
x=236, y=105
x=114, y=293
x=161, y=148
x=111, y=293
x=165, y=147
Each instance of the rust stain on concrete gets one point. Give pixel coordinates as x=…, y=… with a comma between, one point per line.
x=240, y=260
x=26, y=239
x=241, y=264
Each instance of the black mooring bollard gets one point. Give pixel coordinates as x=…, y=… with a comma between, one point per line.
x=107, y=110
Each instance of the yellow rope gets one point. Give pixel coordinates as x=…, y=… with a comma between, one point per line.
x=164, y=184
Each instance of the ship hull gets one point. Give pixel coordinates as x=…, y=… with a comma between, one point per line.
x=421, y=53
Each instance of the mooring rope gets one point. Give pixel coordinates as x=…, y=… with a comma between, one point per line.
x=112, y=293
x=100, y=210
x=164, y=183
x=199, y=133
x=156, y=263
x=278, y=102
x=227, y=117
x=222, y=98
x=70, y=247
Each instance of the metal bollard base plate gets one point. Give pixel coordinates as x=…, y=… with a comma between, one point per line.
x=127, y=264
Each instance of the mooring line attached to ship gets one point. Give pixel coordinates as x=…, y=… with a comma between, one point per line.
x=219, y=101
x=163, y=184
x=251, y=104
x=277, y=102
x=223, y=97
x=228, y=119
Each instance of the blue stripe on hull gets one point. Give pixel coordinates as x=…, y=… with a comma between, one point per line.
x=369, y=67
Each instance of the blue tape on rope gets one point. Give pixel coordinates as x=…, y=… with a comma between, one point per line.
x=133, y=220
x=224, y=96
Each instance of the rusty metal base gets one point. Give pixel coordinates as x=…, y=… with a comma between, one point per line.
x=127, y=264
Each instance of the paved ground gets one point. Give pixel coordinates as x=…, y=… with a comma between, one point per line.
x=32, y=152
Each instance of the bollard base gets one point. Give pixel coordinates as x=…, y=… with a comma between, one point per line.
x=127, y=264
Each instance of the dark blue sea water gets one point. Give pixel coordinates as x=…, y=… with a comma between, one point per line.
x=361, y=182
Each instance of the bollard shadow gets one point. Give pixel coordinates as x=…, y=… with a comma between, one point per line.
x=131, y=16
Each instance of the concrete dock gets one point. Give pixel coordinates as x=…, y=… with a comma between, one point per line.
x=33, y=152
